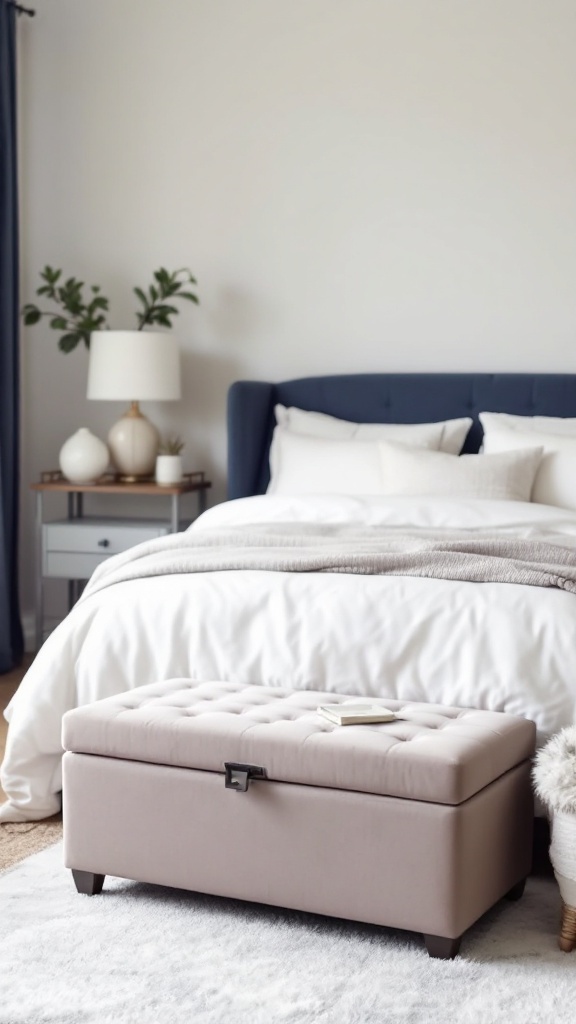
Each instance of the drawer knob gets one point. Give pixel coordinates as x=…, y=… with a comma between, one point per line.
x=104, y=543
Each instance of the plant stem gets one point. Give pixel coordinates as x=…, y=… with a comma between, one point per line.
x=70, y=323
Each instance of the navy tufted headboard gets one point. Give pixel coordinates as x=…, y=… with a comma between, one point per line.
x=382, y=398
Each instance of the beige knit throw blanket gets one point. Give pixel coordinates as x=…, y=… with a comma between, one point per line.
x=303, y=547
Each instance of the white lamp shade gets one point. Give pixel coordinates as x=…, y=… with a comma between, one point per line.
x=134, y=366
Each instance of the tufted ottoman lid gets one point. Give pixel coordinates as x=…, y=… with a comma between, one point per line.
x=434, y=753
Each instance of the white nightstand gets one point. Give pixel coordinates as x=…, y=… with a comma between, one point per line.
x=71, y=548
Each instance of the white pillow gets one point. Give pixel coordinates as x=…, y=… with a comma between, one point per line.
x=447, y=435
x=555, y=482
x=300, y=464
x=540, y=424
x=508, y=476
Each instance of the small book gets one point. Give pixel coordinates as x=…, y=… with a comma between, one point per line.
x=355, y=714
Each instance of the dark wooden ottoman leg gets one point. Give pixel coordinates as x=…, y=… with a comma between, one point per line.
x=516, y=891
x=442, y=948
x=87, y=882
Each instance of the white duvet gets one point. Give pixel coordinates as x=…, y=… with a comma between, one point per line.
x=498, y=646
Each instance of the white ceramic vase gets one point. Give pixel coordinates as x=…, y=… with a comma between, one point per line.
x=168, y=470
x=83, y=457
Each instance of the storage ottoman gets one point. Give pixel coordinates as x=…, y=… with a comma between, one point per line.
x=421, y=823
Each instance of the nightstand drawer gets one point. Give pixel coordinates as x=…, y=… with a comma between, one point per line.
x=66, y=566
x=73, y=548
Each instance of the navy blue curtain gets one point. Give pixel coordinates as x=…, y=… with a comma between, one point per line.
x=10, y=628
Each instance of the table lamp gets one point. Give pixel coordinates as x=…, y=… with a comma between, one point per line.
x=133, y=366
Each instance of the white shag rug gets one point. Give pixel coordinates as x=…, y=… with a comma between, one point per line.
x=142, y=954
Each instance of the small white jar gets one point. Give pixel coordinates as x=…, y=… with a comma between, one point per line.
x=168, y=470
x=83, y=457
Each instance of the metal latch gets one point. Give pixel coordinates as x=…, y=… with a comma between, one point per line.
x=237, y=776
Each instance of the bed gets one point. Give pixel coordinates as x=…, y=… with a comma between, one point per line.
x=500, y=646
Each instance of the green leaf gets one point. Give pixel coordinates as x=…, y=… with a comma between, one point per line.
x=190, y=296
x=142, y=298
x=31, y=315
x=50, y=275
x=59, y=323
x=68, y=342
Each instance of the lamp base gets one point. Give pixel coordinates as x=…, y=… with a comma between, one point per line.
x=131, y=478
x=133, y=443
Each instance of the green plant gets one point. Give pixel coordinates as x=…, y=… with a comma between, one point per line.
x=77, y=315
x=171, y=445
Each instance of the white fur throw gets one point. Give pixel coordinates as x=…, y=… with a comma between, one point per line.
x=554, y=772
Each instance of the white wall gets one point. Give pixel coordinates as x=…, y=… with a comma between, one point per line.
x=358, y=184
